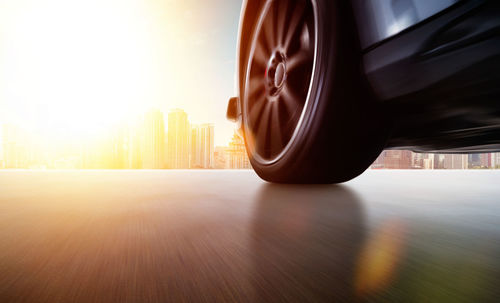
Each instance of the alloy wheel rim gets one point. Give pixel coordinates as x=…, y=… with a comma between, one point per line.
x=279, y=77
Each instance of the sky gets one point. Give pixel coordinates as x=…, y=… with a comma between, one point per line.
x=80, y=67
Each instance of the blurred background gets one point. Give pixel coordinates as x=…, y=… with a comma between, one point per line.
x=133, y=84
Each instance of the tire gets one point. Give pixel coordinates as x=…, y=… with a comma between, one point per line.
x=308, y=113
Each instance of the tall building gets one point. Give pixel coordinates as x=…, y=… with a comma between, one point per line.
x=133, y=144
x=153, y=141
x=220, y=155
x=394, y=159
x=428, y=161
x=237, y=157
x=423, y=161
x=456, y=161
x=379, y=162
x=417, y=160
x=178, y=139
x=202, y=146
x=474, y=160
x=485, y=160
x=438, y=161
x=16, y=149
x=118, y=148
x=492, y=160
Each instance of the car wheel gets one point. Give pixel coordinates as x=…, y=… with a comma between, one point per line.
x=308, y=113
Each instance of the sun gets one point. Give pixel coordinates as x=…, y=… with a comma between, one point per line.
x=75, y=66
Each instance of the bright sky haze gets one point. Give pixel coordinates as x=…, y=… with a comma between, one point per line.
x=80, y=67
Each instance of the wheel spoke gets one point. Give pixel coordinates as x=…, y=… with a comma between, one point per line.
x=281, y=22
x=305, y=39
x=290, y=100
x=263, y=127
x=257, y=108
x=261, y=55
x=256, y=86
x=269, y=29
x=294, y=22
x=276, y=134
x=297, y=60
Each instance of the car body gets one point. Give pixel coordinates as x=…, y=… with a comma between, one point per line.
x=435, y=64
x=432, y=67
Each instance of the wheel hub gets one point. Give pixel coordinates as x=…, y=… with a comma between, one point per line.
x=276, y=73
x=279, y=76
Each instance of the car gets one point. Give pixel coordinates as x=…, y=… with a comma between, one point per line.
x=323, y=86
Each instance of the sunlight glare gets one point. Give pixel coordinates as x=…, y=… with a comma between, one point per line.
x=78, y=66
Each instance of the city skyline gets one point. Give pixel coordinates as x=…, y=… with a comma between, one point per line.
x=154, y=140
x=404, y=159
x=151, y=140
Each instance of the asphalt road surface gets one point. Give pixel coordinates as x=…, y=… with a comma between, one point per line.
x=226, y=236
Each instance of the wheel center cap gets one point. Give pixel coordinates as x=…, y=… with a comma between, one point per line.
x=276, y=74
x=279, y=76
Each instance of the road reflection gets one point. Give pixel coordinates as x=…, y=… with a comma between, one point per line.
x=305, y=242
x=321, y=244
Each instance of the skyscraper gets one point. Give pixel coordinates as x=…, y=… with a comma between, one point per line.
x=394, y=159
x=118, y=148
x=153, y=147
x=202, y=146
x=220, y=157
x=237, y=157
x=474, y=160
x=456, y=161
x=133, y=144
x=15, y=147
x=178, y=139
x=486, y=160
x=428, y=161
x=438, y=161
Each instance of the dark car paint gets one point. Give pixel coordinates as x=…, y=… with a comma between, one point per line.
x=437, y=80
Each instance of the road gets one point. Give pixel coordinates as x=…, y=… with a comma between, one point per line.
x=227, y=236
